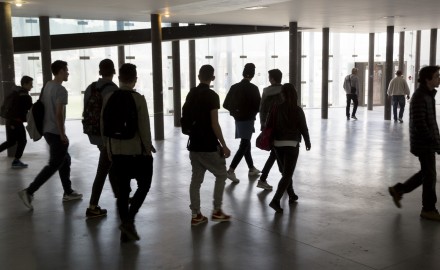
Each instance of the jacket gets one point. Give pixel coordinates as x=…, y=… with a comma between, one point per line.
x=142, y=139
x=349, y=81
x=243, y=101
x=270, y=95
x=398, y=87
x=291, y=124
x=423, y=129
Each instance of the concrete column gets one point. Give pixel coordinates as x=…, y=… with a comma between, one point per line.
x=121, y=49
x=293, y=53
x=156, y=49
x=45, y=48
x=402, y=52
x=192, y=61
x=417, y=62
x=370, y=72
x=7, y=69
x=177, y=103
x=433, y=48
x=388, y=71
x=325, y=68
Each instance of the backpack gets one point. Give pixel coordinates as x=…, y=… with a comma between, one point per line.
x=35, y=119
x=92, y=110
x=119, y=116
x=9, y=109
x=188, y=121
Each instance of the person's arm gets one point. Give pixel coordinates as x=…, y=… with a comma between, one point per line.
x=59, y=119
x=144, y=126
x=418, y=118
x=407, y=92
x=218, y=132
x=304, y=129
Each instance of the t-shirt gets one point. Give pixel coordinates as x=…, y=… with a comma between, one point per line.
x=53, y=94
x=203, y=139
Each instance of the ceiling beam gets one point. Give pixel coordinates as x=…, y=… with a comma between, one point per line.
x=127, y=37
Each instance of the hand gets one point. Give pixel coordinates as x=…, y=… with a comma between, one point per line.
x=308, y=147
x=226, y=152
x=64, y=139
x=407, y=97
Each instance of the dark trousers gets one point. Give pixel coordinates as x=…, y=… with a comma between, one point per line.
x=287, y=157
x=124, y=168
x=398, y=101
x=427, y=177
x=268, y=165
x=59, y=160
x=351, y=97
x=102, y=171
x=15, y=134
x=243, y=150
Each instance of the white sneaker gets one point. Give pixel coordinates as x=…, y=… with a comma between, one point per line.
x=264, y=185
x=232, y=177
x=72, y=196
x=26, y=198
x=254, y=171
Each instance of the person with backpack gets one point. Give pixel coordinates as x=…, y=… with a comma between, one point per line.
x=125, y=126
x=207, y=147
x=54, y=99
x=243, y=103
x=93, y=98
x=14, y=110
x=271, y=95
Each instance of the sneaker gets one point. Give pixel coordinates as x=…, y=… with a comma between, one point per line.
x=354, y=117
x=26, y=198
x=130, y=232
x=430, y=215
x=397, y=196
x=293, y=199
x=17, y=164
x=264, y=185
x=96, y=212
x=232, y=177
x=348, y=117
x=400, y=120
x=219, y=216
x=198, y=219
x=72, y=196
x=276, y=206
x=254, y=171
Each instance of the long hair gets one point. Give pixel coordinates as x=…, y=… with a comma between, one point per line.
x=290, y=95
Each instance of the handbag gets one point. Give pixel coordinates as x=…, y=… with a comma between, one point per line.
x=265, y=140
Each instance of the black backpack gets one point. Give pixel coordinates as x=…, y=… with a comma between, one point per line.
x=9, y=107
x=190, y=112
x=92, y=110
x=120, y=117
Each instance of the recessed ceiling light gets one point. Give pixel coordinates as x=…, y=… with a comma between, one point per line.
x=255, y=8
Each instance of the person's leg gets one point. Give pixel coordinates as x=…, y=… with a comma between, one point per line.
x=243, y=148
x=395, y=104
x=143, y=175
x=57, y=152
x=429, y=196
x=101, y=174
x=268, y=165
x=21, y=140
x=402, y=106
x=355, y=104
x=289, y=157
x=198, y=174
x=121, y=169
x=64, y=170
x=10, y=135
x=347, y=108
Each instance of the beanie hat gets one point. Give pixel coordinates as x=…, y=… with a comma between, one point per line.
x=249, y=70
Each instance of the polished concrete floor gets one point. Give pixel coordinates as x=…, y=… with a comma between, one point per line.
x=344, y=218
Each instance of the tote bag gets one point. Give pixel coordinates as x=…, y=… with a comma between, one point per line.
x=265, y=139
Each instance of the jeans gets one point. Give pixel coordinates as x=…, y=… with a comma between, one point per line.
x=200, y=163
x=102, y=171
x=243, y=150
x=398, y=100
x=268, y=165
x=427, y=176
x=351, y=97
x=59, y=160
x=287, y=157
x=15, y=134
x=124, y=168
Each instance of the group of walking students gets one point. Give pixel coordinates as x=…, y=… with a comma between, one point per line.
x=116, y=120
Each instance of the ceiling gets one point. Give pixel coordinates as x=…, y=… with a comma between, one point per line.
x=358, y=16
